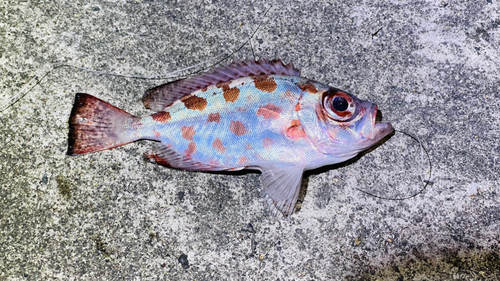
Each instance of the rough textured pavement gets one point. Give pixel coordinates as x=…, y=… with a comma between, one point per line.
x=431, y=66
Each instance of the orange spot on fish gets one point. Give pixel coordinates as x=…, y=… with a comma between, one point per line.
x=307, y=87
x=195, y=102
x=267, y=143
x=269, y=111
x=217, y=144
x=295, y=131
x=289, y=95
x=297, y=107
x=157, y=134
x=214, y=163
x=238, y=128
x=190, y=150
x=230, y=94
x=188, y=132
x=213, y=117
x=162, y=116
x=248, y=146
x=265, y=83
x=243, y=160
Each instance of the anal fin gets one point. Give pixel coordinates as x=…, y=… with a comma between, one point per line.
x=165, y=155
x=281, y=187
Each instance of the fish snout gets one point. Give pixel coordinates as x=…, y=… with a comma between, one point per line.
x=372, y=127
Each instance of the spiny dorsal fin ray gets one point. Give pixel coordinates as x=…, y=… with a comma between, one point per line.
x=162, y=96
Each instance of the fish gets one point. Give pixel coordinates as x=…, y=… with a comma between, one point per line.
x=256, y=115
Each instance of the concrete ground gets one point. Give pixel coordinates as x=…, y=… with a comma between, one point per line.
x=431, y=66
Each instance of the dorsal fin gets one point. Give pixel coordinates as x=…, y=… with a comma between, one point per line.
x=162, y=96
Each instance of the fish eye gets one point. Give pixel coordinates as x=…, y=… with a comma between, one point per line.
x=338, y=105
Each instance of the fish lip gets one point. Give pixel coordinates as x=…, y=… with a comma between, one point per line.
x=383, y=129
x=380, y=129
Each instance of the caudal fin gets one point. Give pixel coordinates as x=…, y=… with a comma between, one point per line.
x=96, y=125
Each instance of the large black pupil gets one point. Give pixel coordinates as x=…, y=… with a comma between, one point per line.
x=340, y=104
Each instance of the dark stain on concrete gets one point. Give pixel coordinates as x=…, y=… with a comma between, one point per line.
x=451, y=265
x=64, y=187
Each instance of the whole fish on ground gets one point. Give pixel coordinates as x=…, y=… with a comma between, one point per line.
x=249, y=115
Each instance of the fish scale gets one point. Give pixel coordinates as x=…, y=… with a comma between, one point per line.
x=249, y=115
x=249, y=108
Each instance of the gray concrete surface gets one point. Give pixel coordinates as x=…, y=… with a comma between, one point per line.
x=432, y=67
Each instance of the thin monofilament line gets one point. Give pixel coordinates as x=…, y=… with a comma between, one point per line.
x=246, y=42
x=422, y=149
x=28, y=86
x=173, y=74
x=42, y=73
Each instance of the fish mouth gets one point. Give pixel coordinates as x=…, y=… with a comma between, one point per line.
x=374, y=129
x=381, y=128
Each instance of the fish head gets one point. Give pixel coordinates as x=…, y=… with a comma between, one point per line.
x=346, y=125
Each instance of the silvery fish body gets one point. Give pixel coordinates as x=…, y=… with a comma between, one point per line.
x=249, y=115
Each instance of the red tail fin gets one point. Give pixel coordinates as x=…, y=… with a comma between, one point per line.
x=96, y=125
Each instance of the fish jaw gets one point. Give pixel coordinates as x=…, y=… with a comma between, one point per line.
x=370, y=131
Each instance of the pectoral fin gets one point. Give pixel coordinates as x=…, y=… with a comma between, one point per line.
x=281, y=188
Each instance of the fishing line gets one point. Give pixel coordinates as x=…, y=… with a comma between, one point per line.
x=422, y=149
x=248, y=40
x=42, y=73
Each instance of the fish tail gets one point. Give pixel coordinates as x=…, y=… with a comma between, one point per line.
x=96, y=125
